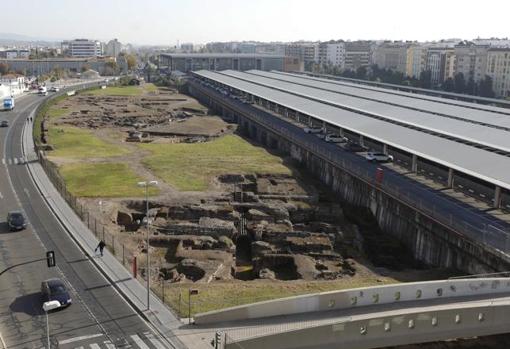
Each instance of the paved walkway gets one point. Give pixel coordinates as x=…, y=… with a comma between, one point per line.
x=130, y=288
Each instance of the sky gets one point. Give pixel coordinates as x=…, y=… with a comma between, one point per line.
x=166, y=22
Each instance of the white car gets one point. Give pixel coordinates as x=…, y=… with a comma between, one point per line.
x=378, y=157
x=54, y=89
x=332, y=138
x=313, y=129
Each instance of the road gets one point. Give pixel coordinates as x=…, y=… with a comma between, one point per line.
x=99, y=317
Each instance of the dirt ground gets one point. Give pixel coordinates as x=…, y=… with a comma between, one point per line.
x=263, y=227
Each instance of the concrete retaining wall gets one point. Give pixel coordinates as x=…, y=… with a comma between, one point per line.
x=355, y=298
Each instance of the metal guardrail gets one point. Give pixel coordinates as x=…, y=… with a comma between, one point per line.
x=485, y=231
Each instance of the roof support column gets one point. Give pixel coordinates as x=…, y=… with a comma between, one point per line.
x=497, y=197
x=297, y=116
x=286, y=112
x=361, y=140
x=414, y=163
x=310, y=121
x=341, y=131
x=385, y=148
x=450, y=177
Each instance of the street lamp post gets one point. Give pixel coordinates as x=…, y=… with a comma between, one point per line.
x=47, y=306
x=148, y=272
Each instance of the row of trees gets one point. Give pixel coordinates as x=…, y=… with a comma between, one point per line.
x=457, y=84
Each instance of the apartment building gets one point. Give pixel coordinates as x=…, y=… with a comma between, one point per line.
x=332, y=53
x=416, y=59
x=441, y=63
x=113, y=48
x=306, y=52
x=391, y=55
x=358, y=54
x=471, y=60
x=498, y=68
x=82, y=48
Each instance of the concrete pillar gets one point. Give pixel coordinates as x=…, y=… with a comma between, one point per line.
x=309, y=121
x=450, y=177
x=286, y=112
x=497, y=197
x=414, y=163
x=385, y=148
x=361, y=140
x=341, y=132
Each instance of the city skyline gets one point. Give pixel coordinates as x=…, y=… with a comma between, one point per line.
x=170, y=22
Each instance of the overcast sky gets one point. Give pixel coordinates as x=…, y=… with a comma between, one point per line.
x=168, y=21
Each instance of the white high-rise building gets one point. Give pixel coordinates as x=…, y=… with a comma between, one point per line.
x=335, y=54
x=83, y=48
x=113, y=48
x=498, y=68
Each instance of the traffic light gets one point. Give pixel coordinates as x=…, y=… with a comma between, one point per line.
x=50, y=259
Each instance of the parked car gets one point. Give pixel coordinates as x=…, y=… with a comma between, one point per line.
x=54, y=89
x=55, y=290
x=16, y=220
x=313, y=129
x=333, y=138
x=354, y=147
x=378, y=157
x=4, y=123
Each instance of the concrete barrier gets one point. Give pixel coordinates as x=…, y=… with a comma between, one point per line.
x=408, y=327
x=359, y=297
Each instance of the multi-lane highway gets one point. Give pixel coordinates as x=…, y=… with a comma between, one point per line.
x=99, y=317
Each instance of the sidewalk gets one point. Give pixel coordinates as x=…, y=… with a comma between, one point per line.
x=131, y=289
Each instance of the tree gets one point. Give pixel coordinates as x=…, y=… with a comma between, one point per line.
x=425, y=79
x=459, y=83
x=448, y=85
x=4, y=68
x=131, y=61
x=361, y=73
x=85, y=67
x=471, y=87
x=110, y=68
x=485, y=87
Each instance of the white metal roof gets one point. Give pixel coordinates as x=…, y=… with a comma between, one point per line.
x=479, y=163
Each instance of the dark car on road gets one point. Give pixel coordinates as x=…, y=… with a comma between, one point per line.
x=55, y=290
x=4, y=123
x=16, y=221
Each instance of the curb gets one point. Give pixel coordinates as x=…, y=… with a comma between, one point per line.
x=88, y=254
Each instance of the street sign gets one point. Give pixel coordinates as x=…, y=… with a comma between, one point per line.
x=50, y=259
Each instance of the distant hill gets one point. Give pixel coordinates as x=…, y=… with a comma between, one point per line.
x=12, y=38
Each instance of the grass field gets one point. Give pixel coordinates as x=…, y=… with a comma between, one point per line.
x=55, y=112
x=78, y=143
x=122, y=90
x=219, y=295
x=102, y=180
x=190, y=167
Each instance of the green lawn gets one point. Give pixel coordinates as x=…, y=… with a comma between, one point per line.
x=55, y=112
x=149, y=87
x=74, y=142
x=102, y=180
x=219, y=295
x=190, y=167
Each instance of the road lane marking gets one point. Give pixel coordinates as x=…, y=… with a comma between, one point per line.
x=1, y=196
x=15, y=161
x=3, y=161
x=81, y=338
x=139, y=342
x=94, y=346
x=154, y=341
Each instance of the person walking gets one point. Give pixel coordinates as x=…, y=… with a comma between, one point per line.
x=100, y=246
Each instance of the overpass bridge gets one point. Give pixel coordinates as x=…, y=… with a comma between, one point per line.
x=373, y=317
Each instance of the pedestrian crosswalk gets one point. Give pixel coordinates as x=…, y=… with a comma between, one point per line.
x=14, y=161
x=146, y=340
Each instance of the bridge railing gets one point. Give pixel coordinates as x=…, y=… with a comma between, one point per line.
x=481, y=230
